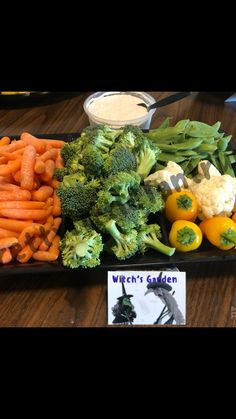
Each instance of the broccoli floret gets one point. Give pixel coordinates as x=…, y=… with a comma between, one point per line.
x=101, y=136
x=74, y=179
x=124, y=245
x=59, y=173
x=148, y=237
x=104, y=201
x=148, y=199
x=81, y=248
x=95, y=183
x=100, y=220
x=71, y=149
x=121, y=159
x=146, y=156
x=93, y=160
x=129, y=136
x=73, y=164
x=120, y=186
x=77, y=199
x=85, y=223
x=128, y=217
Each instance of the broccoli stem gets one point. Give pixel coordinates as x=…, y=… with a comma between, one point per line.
x=155, y=243
x=82, y=248
x=113, y=231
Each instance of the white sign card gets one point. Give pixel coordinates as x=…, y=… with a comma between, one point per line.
x=146, y=298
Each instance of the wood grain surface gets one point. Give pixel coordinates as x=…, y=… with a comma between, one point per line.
x=80, y=299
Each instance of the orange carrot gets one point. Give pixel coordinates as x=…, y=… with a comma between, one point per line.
x=15, y=145
x=31, y=140
x=27, y=251
x=47, y=243
x=5, y=256
x=26, y=214
x=4, y=186
x=13, y=224
x=51, y=255
x=54, y=183
x=53, y=143
x=49, y=171
x=50, y=220
x=7, y=169
x=28, y=232
x=39, y=166
x=59, y=160
x=15, y=195
x=3, y=160
x=8, y=233
x=7, y=179
x=7, y=242
x=42, y=193
x=17, y=176
x=54, y=248
x=27, y=168
x=56, y=205
x=5, y=141
x=22, y=204
x=50, y=154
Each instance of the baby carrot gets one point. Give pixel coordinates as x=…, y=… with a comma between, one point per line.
x=4, y=186
x=49, y=171
x=15, y=195
x=26, y=235
x=12, y=224
x=53, y=143
x=59, y=160
x=5, y=141
x=27, y=168
x=49, y=154
x=15, y=145
x=54, y=183
x=51, y=255
x=26, y=214
x=7, y=169
x=17, y=176
x=47, y=243
x=31, y=140
x=56, y=205
x=39, y=166
x=22, y=204
x=27, y=251
x=7, y=242
x=3, y=160
x=8, y=233
x=5, y=256
x=42, y=193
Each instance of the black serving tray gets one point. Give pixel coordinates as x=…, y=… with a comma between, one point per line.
x=151, y=260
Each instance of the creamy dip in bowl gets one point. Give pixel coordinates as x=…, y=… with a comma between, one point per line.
x=117, y=109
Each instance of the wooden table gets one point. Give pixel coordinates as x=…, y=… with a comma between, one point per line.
x=80, y=299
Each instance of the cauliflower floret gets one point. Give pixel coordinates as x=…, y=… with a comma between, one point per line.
x=207, y=169
x=215, y=196
x=169, y=179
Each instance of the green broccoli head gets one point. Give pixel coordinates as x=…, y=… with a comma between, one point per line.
x=148, y=199
x=93, y=160
x=130, y=135
x=148, y=237
x=121, y=159
x=128, y=217
x=74, y=179
x=100, y=220
x=69, y=150
x=146, y=153
x=76, y=200
x=121, y=184
x=124, y=245
x=100, y=136
x=84, y=223
x=59, y=173
x=81, y=248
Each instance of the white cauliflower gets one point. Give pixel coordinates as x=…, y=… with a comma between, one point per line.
x=215, y=196
x=169, y=179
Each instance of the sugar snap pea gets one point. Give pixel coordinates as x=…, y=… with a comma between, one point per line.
x=165, y=123
x=166, y=157
x=182, y=124
x=163, y=134
x=207, y=147
x=223, y=142
x=200, y=129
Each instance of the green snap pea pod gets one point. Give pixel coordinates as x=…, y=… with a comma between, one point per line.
x=186, y=153
x=215, y=161
x=200, y=129
x=184, y=165
x=159, y=166
x=165, y=123
x=186, y=145
x=216, y=126
x=223, y=161
x=207, y=147
x=209, y=140
x=166, y=157
x=232, y=158
x=193, y=163
x=163, y=134
x=229, y=170
x=223, y=142
x=182, y=124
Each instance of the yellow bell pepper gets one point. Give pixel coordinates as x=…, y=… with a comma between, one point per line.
x=185, y=236
x=181, y=206
x=220, y=231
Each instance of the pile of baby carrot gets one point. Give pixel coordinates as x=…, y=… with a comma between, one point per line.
x=29, y=206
